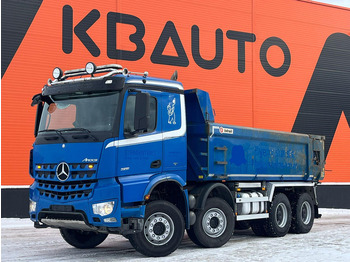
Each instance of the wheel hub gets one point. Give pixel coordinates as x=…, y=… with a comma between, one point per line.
x=214, y=222
x=159, y=229
x=306, y=212
x=281, y=215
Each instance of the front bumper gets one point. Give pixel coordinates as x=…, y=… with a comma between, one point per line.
x=129, y=225
x=79, y=214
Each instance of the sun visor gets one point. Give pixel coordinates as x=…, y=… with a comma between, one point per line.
x=84, y=86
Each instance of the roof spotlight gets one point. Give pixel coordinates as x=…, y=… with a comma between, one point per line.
x=57, y=73
x=125, y=71
x=90, y=68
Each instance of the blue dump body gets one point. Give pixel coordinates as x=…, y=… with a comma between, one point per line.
x=233, y=153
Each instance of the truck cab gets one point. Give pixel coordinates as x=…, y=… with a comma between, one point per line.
x=103, y=144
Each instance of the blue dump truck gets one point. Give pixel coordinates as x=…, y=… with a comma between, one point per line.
x=118, y=152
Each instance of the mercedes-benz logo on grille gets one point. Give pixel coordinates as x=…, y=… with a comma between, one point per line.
x=62, y=171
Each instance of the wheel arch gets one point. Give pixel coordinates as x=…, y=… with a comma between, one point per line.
x=203, y=192
x=169, y=187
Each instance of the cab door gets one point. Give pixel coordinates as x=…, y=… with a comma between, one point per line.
x=174, y=134
x=140, y=152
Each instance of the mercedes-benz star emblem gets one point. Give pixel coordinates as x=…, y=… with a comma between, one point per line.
x=62, y=171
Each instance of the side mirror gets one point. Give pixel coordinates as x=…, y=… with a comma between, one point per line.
x=142, y=112
x=36, y=99
x=37, y=118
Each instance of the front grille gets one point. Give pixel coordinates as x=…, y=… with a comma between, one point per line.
x=78, y=186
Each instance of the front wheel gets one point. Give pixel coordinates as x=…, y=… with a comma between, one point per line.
x=82, y=239
x=162, y=232
x=214, y=224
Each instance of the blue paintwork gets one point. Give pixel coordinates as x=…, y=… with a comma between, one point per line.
x=70, y=153
x=234, y=153
x=134, y=211
x=198, y=107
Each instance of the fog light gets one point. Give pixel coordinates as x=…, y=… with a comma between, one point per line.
x=110, y=220
x=32, y=206
x=103, y=209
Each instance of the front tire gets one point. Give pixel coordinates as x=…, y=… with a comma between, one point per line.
x=214, y=224
x=82, y=239
x=162, y=232
x=303, y=214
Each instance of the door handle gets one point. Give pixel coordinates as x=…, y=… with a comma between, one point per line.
x=156, y=164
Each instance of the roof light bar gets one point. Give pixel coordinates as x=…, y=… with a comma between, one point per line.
x=90, y=69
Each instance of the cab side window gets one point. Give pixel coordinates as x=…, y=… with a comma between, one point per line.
x=129, y=127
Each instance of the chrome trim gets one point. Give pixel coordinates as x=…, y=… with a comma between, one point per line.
x=253, y=216
x=270, y=187
x=55, y=82
x=252, y=199
x=71, y=224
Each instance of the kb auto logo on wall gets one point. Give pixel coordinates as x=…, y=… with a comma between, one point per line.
x=62, y=171
x=168, y=34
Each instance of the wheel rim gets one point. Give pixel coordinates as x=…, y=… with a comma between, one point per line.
x=281, y=215
x=306, y=212
x=214, y=222
x=159, y=229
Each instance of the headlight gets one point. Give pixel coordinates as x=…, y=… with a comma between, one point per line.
x=32, y=206
x=103, y=209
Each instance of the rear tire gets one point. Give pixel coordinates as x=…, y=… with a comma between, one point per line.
x=242, y=225
x=258, y=227
x=214, y=224
x=303, y=214
x=82, y=239
x=162, y=232
x=279, y=221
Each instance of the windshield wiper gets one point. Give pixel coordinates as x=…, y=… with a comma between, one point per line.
x=79, y=129
x=58, y=132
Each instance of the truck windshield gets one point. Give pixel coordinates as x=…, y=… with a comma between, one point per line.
x=92, y=112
